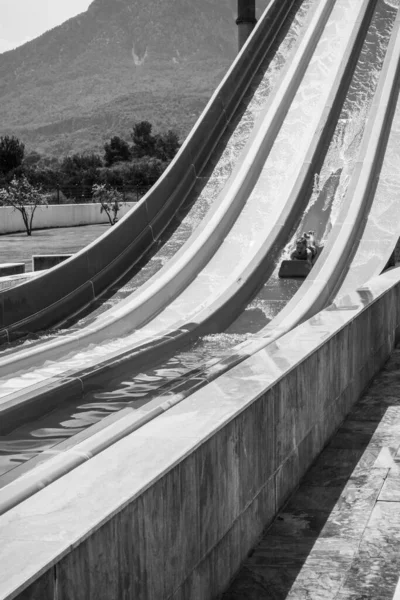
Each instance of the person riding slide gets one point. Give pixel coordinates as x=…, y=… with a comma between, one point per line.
x=305, y=248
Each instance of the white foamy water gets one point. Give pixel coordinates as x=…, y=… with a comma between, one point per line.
x=344, y=148
x=393, y=3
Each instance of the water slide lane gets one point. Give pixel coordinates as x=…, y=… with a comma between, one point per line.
x=332, y=179
x=381, y=230
x=156, y=293
x=78, y=281
x=335, y=260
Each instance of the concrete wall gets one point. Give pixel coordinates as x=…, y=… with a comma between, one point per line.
x=59, y=215
x=170, y=511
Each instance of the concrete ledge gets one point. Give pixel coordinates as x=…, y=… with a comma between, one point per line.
x=40, y=262
x=171, y=510
x=7, y=269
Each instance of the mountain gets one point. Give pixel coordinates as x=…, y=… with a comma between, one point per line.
x=121, y=61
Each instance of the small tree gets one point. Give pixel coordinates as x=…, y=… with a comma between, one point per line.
x=166, y=145
x=116, y=150
x=110, y=200
x=24, y=197
x=143, y=140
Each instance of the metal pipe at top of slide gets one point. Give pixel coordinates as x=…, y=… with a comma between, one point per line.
x=245, y=21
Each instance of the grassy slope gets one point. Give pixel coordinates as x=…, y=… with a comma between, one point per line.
x=77, y=85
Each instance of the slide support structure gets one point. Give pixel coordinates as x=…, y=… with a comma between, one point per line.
x=246, y=20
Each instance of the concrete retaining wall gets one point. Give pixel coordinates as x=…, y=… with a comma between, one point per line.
x=40, y=262
x=170, y=511
x=63, y=215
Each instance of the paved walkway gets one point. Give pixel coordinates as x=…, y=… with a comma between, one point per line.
x=339, y=535
x=18, y=247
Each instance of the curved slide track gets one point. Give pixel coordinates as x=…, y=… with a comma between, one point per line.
x=332, y=50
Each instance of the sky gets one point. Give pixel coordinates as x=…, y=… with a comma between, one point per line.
x=24, y=20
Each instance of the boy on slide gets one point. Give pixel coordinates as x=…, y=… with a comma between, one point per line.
x=305, y=248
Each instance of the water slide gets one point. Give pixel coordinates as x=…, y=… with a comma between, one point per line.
x=336, y=47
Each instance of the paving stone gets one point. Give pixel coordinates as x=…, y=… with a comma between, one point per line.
x=360, y=434
x=335, y=466
x=297, y=522
x=391, y=488
x=313, y=498
x=381, y=537
x=324, y=572
x=372, y=579
x=387, y=384
x=353, y=509
x=393, y=364
x=272, y=583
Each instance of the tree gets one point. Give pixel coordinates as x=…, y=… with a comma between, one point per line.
x=78, y=174
x=25, y=198
x=167, y=145
x=77, y=163
x=110, y=200
x=162, y=146
x=116, y=150
x=11, y=153
x=143, y=141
